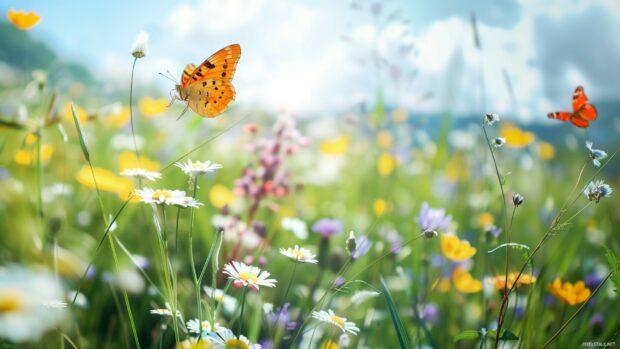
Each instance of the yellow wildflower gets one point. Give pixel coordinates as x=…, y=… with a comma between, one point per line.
x=464, y=282
x=221, y=196
x=23, y=20
x=499, y=281
x=569, y=293
x=399, y=115
x=384, y=140
x=545, y=150
x=127, y=159
x=386, y=164
x=193, y=343
x=118, y=118
x=31, y=138
x=336, y=146
x=379, y=206
x=329, y=345
x=455, y=249
x=485, y=219
x=106, y=181
x=515, y=137
x=81, y=113
x=152, y=107
x=24, y=157
x=456, y=170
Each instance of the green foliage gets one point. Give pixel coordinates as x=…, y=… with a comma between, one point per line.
x=614, y=266
x=401, y=331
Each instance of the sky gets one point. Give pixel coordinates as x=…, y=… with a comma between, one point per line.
x=321, y=56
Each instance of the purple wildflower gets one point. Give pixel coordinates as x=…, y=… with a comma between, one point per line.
x=430, y=314
x=363, y=246
x=592, y=280
x=493, y=230
x=327, y=227
x=433, y=218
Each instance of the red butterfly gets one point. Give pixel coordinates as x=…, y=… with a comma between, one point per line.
x=583, y=111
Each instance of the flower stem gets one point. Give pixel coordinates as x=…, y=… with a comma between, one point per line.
x=133, y=134
x=125, y=297
x=239, y=326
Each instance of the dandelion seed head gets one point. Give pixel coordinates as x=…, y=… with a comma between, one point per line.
x=140, y=46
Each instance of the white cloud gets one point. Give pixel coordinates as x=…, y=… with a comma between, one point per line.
x=214, y=16
x=293, y=56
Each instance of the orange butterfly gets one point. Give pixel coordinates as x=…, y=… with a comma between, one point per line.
x=208, y=90
x=583, y=111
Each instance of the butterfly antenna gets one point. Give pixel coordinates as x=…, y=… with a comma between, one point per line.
x=167, y=77
x=171, y=76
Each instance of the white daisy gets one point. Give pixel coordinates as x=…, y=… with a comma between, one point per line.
x=243, y=275
x=141, y=173
x=29, y=303
x=225, y=339
x=229, y=303
x=167, y=197
x=193, y=326
x=340, y=322
x=140, y=46
x=299, y=254
x=165, y=311
x=194, y=169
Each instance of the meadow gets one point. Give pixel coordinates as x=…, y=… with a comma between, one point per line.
x=123, y=226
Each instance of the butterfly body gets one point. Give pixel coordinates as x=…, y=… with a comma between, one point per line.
x=207, y=89
x=583, y=111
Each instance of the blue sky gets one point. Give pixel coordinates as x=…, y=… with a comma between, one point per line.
x=315, y=56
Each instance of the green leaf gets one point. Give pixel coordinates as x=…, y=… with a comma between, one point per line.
x=78, y=126
x=506, y=335
x=513, y=245
x=467, y=335
x=614, y=266
x=403, y=338
x=11, y=124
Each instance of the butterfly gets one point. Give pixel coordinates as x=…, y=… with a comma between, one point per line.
x=207, y=89
x=583, y=111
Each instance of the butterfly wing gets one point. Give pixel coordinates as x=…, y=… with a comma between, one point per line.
x=560, y=115
x=209, y=97
x=583, y=111
x=579, y=98
x=220, y=66
x=187, y=73
x=208, y=87
x=579, y=122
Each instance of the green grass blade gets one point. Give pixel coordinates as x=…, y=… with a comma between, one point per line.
x=78, y=126
x=403, y=338
x=467, y=335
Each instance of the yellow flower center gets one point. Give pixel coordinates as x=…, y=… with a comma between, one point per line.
x=248, y=277
x=338, y=320
x=298, y=255
x=197, y=165
x=10, y=301
x=219, y=298
x=236, y=344
x=159, y=193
